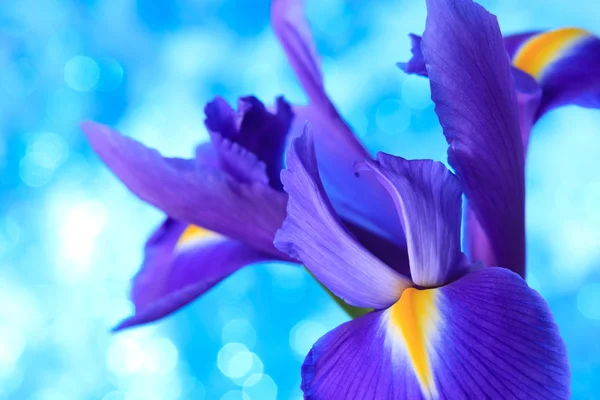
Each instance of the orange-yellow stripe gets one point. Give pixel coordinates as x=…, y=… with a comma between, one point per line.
x=537, y=53
x=193, y=233
x=416, y=316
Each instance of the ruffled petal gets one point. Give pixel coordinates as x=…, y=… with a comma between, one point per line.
x=428, y=200
x=313, y=234
x=192, y=192
x=486, y=335
x=473, y=89
x=336, y=146
x=253, y=132
x=181, y=263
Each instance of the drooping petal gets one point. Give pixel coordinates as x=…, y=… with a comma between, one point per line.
x=486, y=335
x=428, y=200
x=336, y=146
x=253, y=128
x=192, y=192
x=181, y=263
x=473, y=90
x=565, y=62
x=354, y=361
x=313, y=234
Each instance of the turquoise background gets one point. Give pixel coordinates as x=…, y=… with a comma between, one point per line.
x=71, y=235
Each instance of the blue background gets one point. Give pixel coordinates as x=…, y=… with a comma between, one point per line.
x=71, y=235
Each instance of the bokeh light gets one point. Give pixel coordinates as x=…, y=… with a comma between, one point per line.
x=72, y=236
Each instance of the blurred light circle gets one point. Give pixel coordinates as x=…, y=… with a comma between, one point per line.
x=32, y=174
x=236, y=362
x=233, y=353
x=160, y=356
x=124, y=356
x=235, y=395
x=46, y=152
x=49, y=150
x=239, y=330
x=257, y=367
x=111, y=75
x=260, y=387
x=19, y=79
x=588, y=300
x=392, y=117
x=304, y=334
x=82, y=73
x=416, y=92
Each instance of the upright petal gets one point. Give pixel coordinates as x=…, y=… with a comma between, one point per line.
x=192, y=192
x=486, y=335
x=473, y=90
x=428, y=200
x=336, y=146
x=314, y=235
x=528, y=99
x=565, y=62
x=254, y=129
x=181, y=263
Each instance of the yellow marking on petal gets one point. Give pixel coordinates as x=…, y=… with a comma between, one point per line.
x=416, y=316
x=541, y=50
x=193, y=234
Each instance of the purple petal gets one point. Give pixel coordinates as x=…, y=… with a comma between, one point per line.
x=529, y=95
x=363, y=201
x=513, y=42
x=504, y=333
x=238, y=162
x=314, y=235
x=191, y=192
x=253, y=131
x=428, y=200
x=291, y=27
x=565, y=62
x=477, y=242
x=181, y=263
x=486, y=335
x=337, y=147
x=355, y=361
x=473, y=89
x=416, y=64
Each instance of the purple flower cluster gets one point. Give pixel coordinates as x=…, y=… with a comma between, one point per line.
x=384, y=233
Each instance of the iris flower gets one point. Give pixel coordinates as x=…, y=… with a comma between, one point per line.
x=452, y=329
x=551, y=69
x=223, y=206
